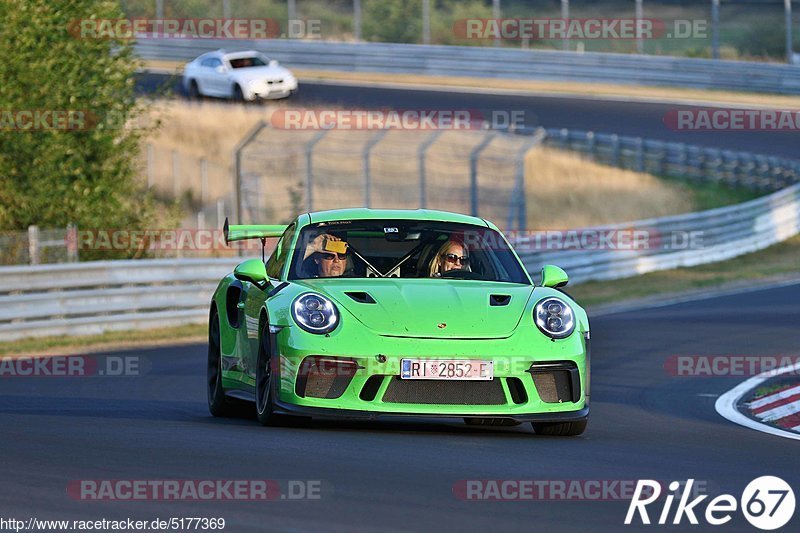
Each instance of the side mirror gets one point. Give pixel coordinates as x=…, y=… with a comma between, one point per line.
x=553, y=276
x=221, y=69
x=252, y=270
x=273, y=63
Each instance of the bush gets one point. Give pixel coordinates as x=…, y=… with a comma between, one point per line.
x=52, y=177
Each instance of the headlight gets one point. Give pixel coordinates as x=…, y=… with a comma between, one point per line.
x=315, y=313
x=554, y=317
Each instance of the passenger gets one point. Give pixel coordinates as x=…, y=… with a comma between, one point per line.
x=326, y=256
x=452, y=255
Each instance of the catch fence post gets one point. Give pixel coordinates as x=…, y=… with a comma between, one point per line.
x=422, y=154
x=310, y=168
x=33, y=245
x=615, y=150
x=473, y=171
x=639, y=143
x=366, y=166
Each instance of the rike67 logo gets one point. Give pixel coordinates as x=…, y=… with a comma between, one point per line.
x=767, y=503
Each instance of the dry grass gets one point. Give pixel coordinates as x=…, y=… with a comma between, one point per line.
x=567, y=191
x=110, y=341
x=207, y=129
x=563, y=189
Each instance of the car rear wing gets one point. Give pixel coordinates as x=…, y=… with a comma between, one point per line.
x=251, y=231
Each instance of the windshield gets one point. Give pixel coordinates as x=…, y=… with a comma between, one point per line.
x=404, y=249
x=245, y=62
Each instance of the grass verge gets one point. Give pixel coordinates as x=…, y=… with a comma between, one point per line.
x=709, y=195
x=110, y=340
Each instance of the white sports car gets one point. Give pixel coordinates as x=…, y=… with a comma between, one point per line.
x=243, y=76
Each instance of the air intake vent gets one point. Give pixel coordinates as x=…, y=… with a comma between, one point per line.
x=371, y=388
x=445, y=392
x=499, y=299
x=517, y=390
x=324, y=377
x=556, y=381
x=361, y=297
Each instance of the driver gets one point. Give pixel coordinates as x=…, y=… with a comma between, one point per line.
x=452, y=255
x=328, y=255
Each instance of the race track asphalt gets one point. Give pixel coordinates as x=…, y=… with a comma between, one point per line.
x=636, y=118
x=399, y=475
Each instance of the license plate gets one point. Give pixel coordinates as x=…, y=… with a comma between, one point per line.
x=451, y=369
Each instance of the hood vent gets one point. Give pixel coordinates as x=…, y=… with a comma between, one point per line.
x=496, y=300
x=361, y=297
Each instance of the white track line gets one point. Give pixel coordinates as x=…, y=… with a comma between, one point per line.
x=726, y=404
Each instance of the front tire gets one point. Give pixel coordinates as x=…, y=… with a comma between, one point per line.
x=265, y=381
x=194, y=91
x=237, y=94
x=218, y=403
x=560, y=429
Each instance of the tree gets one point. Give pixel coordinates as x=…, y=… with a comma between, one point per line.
x=81, y=173
x=395, y=21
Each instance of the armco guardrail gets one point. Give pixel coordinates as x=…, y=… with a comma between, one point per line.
x=738, y=169
x=89, y=298
x=671, y=242
x=483, y=62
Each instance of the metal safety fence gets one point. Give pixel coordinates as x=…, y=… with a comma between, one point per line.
x=487, y=62
x=89, y=298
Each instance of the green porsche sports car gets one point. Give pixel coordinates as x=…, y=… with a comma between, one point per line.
x=366, y=313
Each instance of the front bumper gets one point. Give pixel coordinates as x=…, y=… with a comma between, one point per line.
x=261, y=92
x=515, y=392
x=332, y=412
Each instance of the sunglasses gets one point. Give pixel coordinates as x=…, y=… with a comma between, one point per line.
x=453, y=258
x=329, y=256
